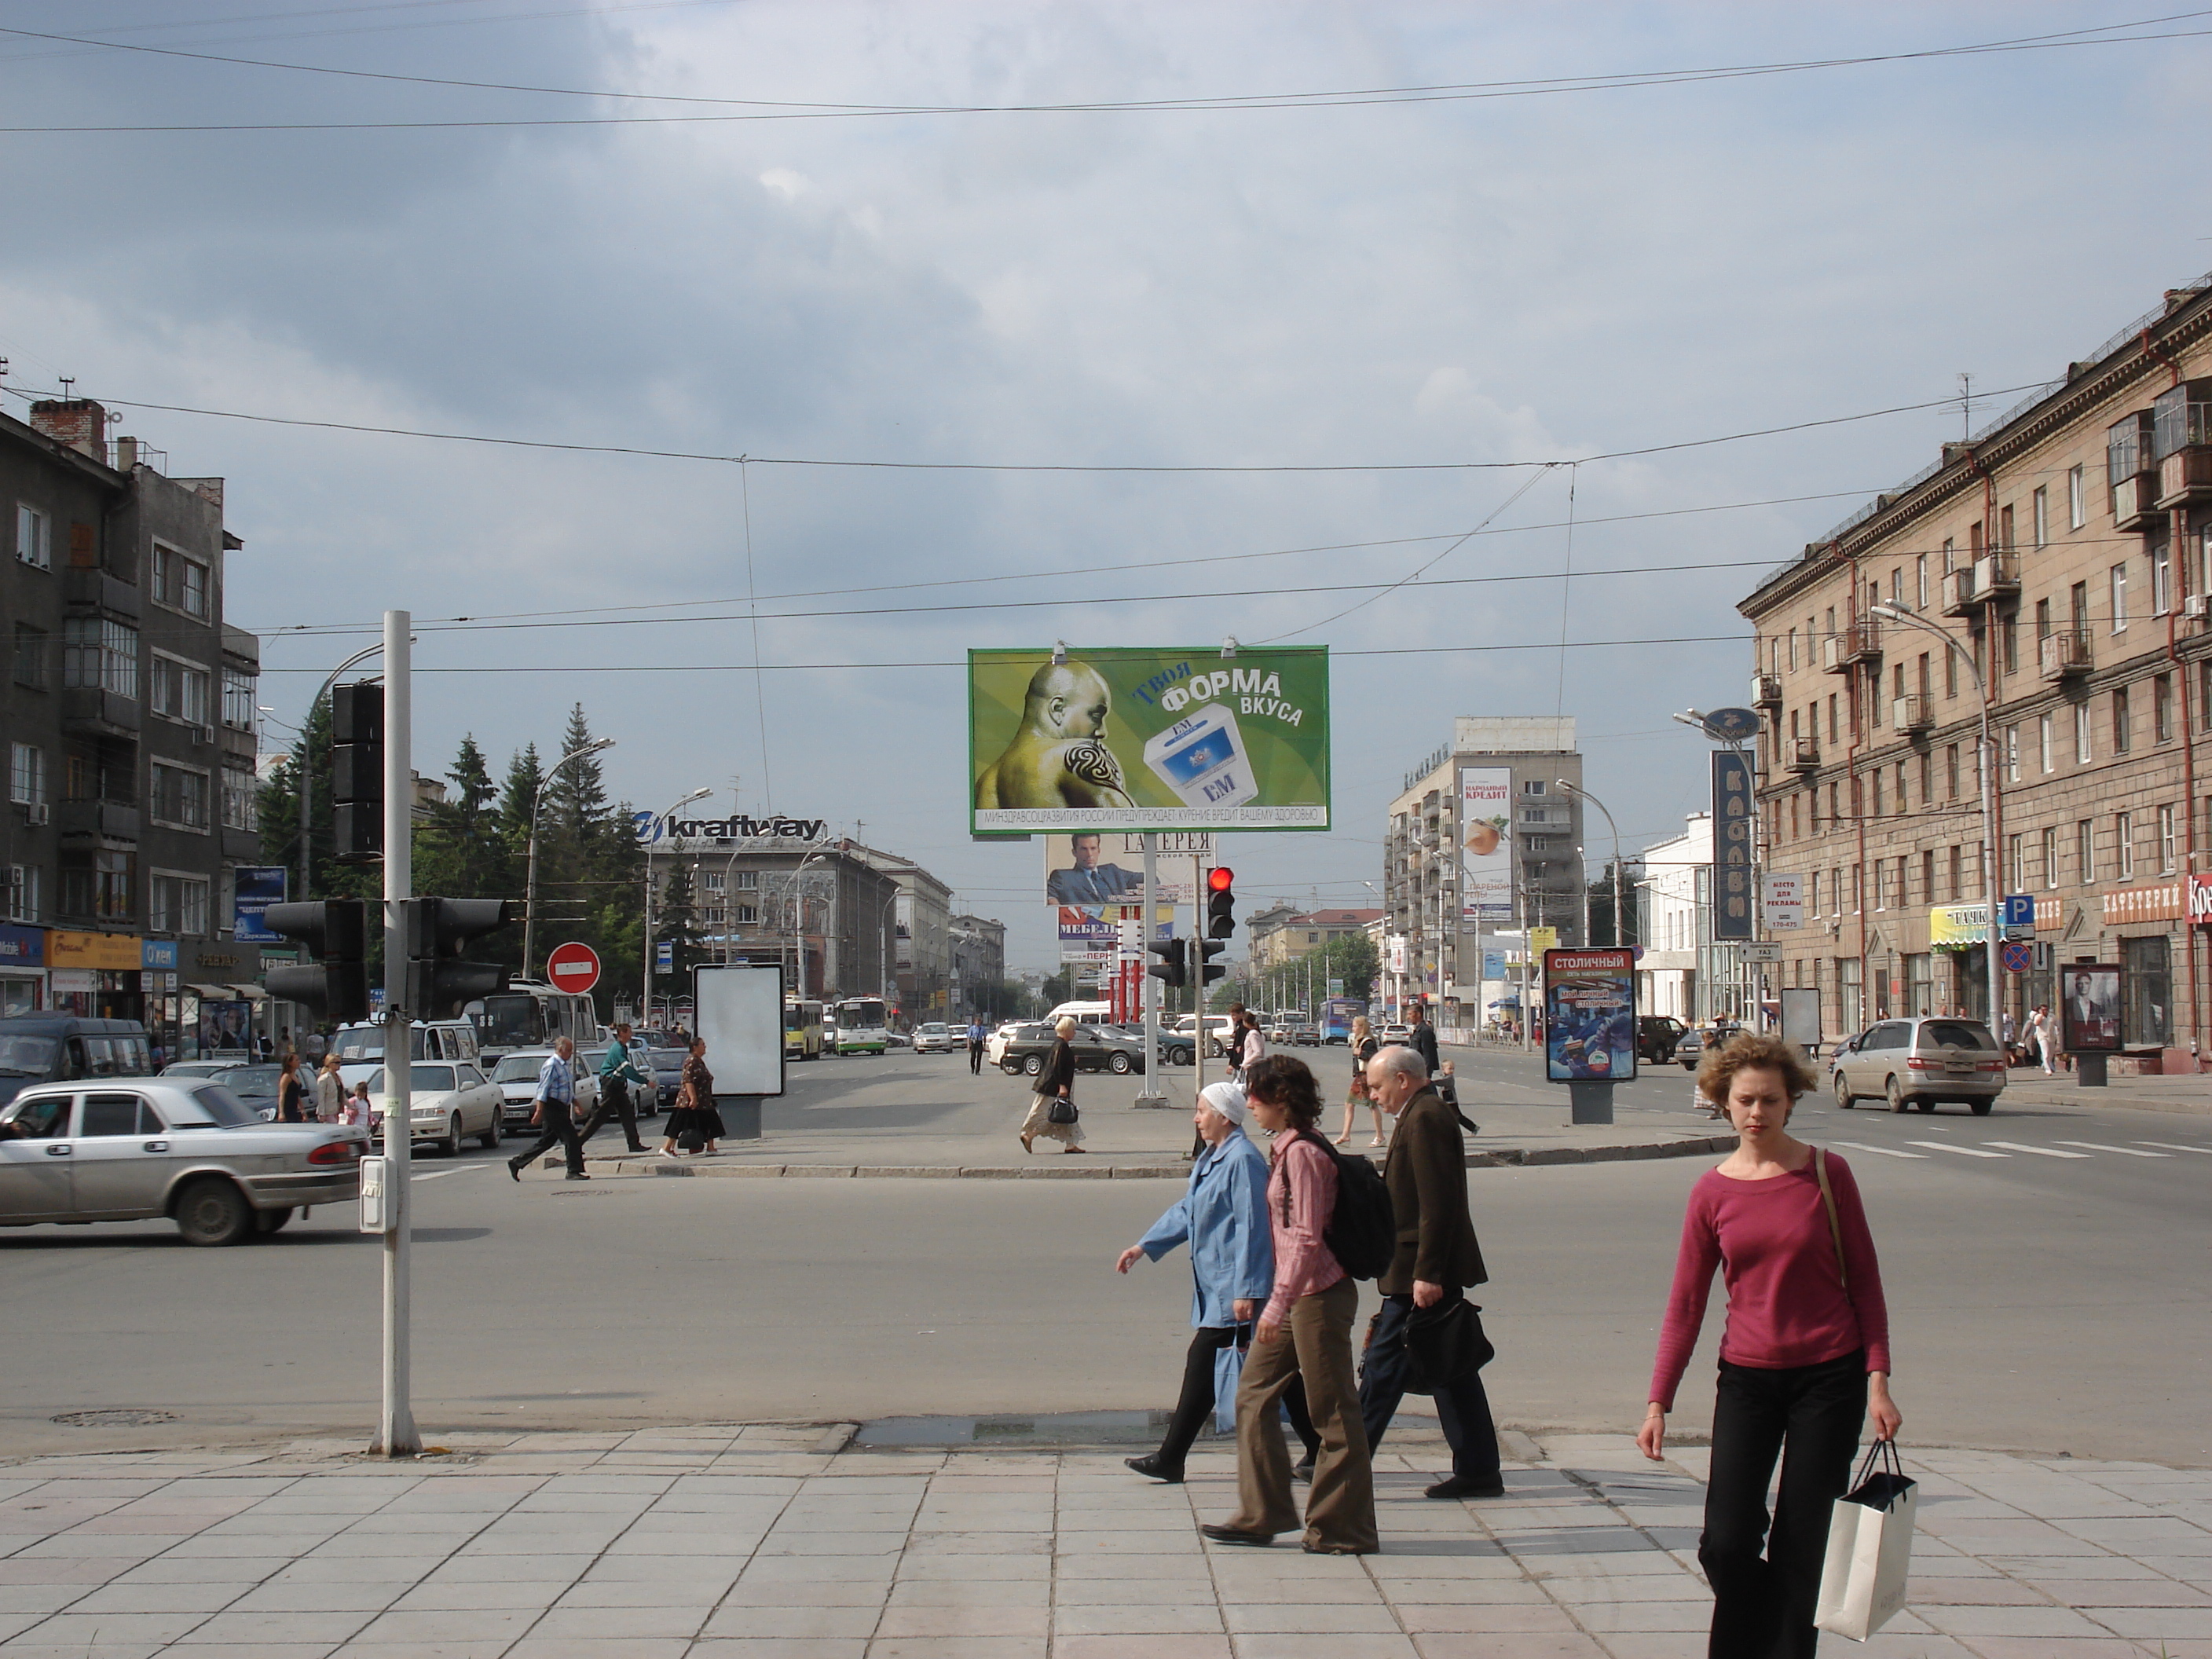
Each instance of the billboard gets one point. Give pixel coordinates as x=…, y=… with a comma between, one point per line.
x=739, y=1014
x=2089, y=1006
x=1734, y=914
x=1109, y=868
x=1486, y=835
x=254, y=888
x=1782, y=898
x=1139, y=738
x=1589, y=1016
x=1092, y=932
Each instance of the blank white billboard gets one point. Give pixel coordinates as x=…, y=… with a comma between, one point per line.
x=739, y=1013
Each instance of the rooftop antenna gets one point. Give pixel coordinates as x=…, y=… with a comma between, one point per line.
x=69, y=387
x=1965, y=408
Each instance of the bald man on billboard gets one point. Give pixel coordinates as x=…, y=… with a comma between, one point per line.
x=1059, y=756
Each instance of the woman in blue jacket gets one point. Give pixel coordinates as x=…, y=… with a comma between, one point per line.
x=1222, y=1216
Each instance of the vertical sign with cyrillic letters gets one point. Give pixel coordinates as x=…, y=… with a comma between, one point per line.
x=1734, y=914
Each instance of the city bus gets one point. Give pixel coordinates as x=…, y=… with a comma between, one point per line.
x=863, y=1026
x=530, y=1015
x=802, y=1028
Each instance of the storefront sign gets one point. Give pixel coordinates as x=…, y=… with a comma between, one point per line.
x=1957, y=925
x=22, y=947
x=2200, y=901
x=1732, y=822
x=74, y=981
x=157, y=953
x=118, y=952
x=2165, y=901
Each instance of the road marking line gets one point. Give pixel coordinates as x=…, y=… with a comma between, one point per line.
x=1963, y=1152
x=439, y=1175
x=2174, y=1146
x=2125, y=1151
x=2041, y=1151
x=1886, y=1151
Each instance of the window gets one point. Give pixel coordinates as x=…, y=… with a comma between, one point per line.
x=178, y=903
x=178, y=798
x=1927, y=875
x=240, y=810
x=1951, y=773
x=2162, y=708
x=1532, y=786
x=1950, y=555
x=748, y=881
x=30, y=655
x=238, y=710
x=34, y=538
x=2039, y=515
x=2166, y=841
x=2015, y=877
x=1927, y=778
x=2077, y=499
x=2012, y=643
x=179, y=581
x=2123, y=846
x=2046, y=749
x=2084, y=749
x=1813, y=893
x=178, y=689
x=100, y=656
x=1950, y=673
x=1958, y=866
x=2161, y=578
x=1920, y=579
x=2085, y=851
x=711, y=881
x=98, y=884
x=2012, y=754
x=2119, y=599
x=1793, y=651
x=748, y=915
x=2004, y=530
x=2051, y=857
x=27, y=774
x=22, y=892
x=1876, y=780
x=2120, y=734
x=1832, y=727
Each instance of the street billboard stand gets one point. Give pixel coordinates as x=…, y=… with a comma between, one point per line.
x=740, y=1018
x=2089, y=1017
x=1589, y=1027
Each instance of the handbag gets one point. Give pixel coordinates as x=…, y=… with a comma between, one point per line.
x=1063, y=1110
x=1444, y=1345
x=1869, y=1548
x=1228, y=1373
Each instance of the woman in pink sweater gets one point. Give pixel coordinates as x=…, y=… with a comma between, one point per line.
x=1804, y=1358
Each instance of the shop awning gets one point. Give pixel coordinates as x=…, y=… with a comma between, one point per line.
x=213, y=993
x=251, y=992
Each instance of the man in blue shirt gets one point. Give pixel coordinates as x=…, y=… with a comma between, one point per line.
x=976, y=1038
x=618, y=1075
x=556, y=1108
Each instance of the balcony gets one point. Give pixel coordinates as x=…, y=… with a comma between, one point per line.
x=1914, y=713
x=95, y=590
x=1804, y=753
x=88, y=711
x=1766, y=691
x=1860, y=642
x=2131, y=470
x=2184, y=478
x=109, y=819
x=2060, y=656
x=2135, y=501
x=1958, y=591
x=1997, y=576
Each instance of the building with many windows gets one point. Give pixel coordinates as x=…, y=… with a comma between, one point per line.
x=2057, y=563
x=1283, y=932
x=821, y=908
x=979, y=963
x=130, y=712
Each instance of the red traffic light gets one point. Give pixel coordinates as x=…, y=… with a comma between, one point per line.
x=1221, y=879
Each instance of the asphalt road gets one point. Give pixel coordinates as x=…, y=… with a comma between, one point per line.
x=2044, y=1270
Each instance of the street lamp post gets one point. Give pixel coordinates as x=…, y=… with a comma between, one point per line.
x=530, y=882
x=646, y=984
x=1618, y=937
x=1988, y=771
x=798, y=918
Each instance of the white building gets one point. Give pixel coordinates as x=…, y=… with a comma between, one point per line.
x=1674, y=920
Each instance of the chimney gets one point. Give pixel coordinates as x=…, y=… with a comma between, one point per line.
x=126, y=454
x=77, y=422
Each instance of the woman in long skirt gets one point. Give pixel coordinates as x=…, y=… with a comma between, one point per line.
x=1056, y=1083
x=694, y=1117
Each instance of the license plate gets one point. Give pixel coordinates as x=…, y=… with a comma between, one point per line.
x=1962, y=1066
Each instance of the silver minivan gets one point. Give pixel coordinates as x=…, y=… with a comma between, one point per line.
x=1918, y=1062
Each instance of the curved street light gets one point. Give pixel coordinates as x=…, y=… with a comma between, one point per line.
x=1619, y=938
x=537, y=805
x=646, y=1012
x=306, y=759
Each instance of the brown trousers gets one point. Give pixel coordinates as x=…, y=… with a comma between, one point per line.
x=1317, y=1347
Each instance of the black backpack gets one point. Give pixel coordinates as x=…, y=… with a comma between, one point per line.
x=1362, y=1232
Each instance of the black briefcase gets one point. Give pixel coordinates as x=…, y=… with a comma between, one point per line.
x=1445, y=1345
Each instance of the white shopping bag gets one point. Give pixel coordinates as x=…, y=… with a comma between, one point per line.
x=1869, y=1548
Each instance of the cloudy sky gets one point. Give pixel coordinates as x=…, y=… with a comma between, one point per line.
x=1552, y=275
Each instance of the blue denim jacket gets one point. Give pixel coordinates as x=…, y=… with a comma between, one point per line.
x=1224, y=1219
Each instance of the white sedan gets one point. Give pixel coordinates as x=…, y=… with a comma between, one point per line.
x=448, y=1102
x=516, y=1078
x=934, y=1037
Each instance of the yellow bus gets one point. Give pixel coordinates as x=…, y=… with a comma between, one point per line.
x=802, y=1028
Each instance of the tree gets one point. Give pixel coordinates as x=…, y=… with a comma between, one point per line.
x=1600, y=903
x=678, y=923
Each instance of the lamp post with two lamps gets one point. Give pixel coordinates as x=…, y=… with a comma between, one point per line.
x=530, y=881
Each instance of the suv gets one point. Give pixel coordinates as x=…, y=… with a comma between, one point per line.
x=1656, y=1036
x=1918, y=1062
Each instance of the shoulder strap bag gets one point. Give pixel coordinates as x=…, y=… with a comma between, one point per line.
x=1828, y=1203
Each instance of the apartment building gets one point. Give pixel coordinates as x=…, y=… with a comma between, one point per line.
x=1283, y=932
x=2056, y=561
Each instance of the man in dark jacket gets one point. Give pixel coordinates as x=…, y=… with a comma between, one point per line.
x=1437, y=1258
x=1423, y=1038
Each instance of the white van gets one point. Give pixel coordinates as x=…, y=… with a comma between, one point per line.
x=1083, y=1013
x=359, y=1048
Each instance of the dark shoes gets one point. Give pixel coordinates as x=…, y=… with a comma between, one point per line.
x=1332, y=1549
x=514, y=1173
x=1302, y=1471
x=578, y=1175
x=1460, y=1486
x=1236, y=1536
x=1151, y=1465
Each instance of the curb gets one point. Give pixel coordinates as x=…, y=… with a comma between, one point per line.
x=1503, y=1158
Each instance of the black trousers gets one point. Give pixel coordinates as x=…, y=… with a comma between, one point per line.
x=559, y=1123
x=1462, y=1410
x=975, y=1059
x=1810, y=1416
x=1195, y=1405
x=614, y=1101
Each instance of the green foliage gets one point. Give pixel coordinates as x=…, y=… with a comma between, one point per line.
x=675, y=918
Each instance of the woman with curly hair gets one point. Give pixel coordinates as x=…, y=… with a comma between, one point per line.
x=1315, y=1298
x=1804, y=1356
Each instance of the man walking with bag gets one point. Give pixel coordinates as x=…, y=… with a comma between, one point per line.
x=1437, y=1258
x=556, y=1108
x=618, y=1075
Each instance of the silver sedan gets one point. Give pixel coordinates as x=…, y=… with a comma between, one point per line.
x=138, y=1149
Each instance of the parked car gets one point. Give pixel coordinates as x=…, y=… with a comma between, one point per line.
x=59, y=1048
x=1393, y=1033
x=1097, y=1048
x=137, y=1149
x=1920, y=1062
x=1658, y=1035
x=515, y=1078
x=994, y=1046
x=447, y=1102
x=1690, y=1046
x=932, y=1038
x=253, y=1081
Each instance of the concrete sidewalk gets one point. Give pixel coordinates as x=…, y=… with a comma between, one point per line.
x=2024, y=1087
x=782, y=1542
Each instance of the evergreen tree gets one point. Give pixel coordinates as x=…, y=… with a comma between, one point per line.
x=677, y=922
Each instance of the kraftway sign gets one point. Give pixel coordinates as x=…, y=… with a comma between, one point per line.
x=650, y=827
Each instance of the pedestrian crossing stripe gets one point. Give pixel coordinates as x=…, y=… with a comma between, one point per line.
x=2041, y=1151
x=2172, y=1146
x=2125, y=1151
x=1963, y=1152
x=1886, y=1151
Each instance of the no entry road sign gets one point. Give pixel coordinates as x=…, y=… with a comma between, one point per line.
x=572, y=967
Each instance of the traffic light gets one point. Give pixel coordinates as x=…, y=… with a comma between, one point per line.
x=1209, y=949
x=439, y=983
x=357, y=772
x=1220, y=904
x=335, y=930
x=1169, y=969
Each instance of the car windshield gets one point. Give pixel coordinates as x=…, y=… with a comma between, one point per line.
x=1957, y=1034
x=23, y=1055
x=518, y=1068
x=933, y=1031
x=669, y=1059
x=223, y=1110
x=421, y=1080
x=252, y=1082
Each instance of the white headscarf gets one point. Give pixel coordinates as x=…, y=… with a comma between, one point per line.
x=1225, y=1098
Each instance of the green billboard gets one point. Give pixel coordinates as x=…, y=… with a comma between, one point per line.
x=1148, y=739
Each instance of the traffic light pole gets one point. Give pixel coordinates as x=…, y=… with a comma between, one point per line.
x=1150, y=1093
x=396, y=1434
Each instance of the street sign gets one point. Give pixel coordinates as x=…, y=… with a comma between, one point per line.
x=1543, y=939
x=1767, y=952
x=1732, y=817
x=1783, y=897
x=2017, y=955
x=572, y=967
x=664, y=954
x=1732, y=725
x=2019, y=910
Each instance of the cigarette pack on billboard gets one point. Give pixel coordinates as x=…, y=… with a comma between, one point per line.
x=1202, y=758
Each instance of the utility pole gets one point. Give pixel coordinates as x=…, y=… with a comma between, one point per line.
x=395, y=1435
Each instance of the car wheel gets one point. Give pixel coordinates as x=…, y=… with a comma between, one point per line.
x=1982, y=1108
x=1034, y=1065
x=490, y=1136
x=1010, y=1067
x=1119, y=1065
x=1925, y=1105
x=269, y=1221
x=451, y=1145
x=1844, y=1097
x=1896, y=1096
x=211, y=1211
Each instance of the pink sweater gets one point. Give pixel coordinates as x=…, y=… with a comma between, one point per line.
x=1786, y=1302
x=1303, y=1263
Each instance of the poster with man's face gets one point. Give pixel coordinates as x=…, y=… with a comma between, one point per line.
x=1109, y=868
x=2089, y=1006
